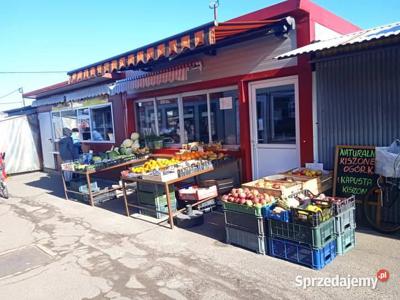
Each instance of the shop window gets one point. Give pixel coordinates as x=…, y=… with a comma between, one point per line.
x=102, y=124
x=224, y=115
x=276, y=115
x=84, y=124
x=168, y=121
x=95, y=124
x=146, y=118
x=195, y=116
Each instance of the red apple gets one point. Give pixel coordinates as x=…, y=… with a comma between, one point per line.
x=242, y=195
x=242, y=201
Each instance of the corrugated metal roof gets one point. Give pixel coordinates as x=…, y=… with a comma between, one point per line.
x=358, y=37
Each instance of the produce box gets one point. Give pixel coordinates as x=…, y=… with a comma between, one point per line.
x=256, y=211
x=284, y=216
x=317, y=184
x=162, y=177
x=247, y=240
x=340, y=205
x=245, y=222
x=68, y=166
x=302, y=254
x=197, y=194
x=312, y=214
x=315, y=237
x=274, y=188
x=346, y=241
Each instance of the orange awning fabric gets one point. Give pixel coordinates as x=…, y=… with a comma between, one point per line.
x=229, y=29
x=205, y=36
x=169, y=75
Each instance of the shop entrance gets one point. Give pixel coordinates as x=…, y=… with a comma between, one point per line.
x=274, y=125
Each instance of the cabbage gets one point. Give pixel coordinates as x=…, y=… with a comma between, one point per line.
x=135, y=136
x=127, y=143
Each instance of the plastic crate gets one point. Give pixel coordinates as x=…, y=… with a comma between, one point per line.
x=207, y=206
x=246, y=222
x=346, y=220
x=152, y=199
x=284, y=216
x=315, y=237
x=340, y=205
x=246, y=240
x=302, y=254
x=156, y=189
x=346, y=241
x=243, y=209
x=157, y=212
x=97, y=199
x=307, y=217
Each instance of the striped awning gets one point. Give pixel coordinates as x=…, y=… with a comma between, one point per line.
x=195, y=39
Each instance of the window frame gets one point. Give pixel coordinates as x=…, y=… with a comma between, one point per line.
x=180, y=101
x=76, y=109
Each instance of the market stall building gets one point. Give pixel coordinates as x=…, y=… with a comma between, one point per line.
x=356, y=82
x=208, y=84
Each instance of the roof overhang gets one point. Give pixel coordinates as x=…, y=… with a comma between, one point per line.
x=359, y=40
x=66, y=86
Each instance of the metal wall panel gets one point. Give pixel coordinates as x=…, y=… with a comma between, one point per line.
x=358, y=101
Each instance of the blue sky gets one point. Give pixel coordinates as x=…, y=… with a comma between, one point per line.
x=62, y=35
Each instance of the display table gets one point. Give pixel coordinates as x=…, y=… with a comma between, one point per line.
x=89, y=173
x=166, y=185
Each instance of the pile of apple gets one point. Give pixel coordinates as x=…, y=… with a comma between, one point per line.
x=248, y=197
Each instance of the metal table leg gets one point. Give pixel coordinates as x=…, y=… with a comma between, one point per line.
x=90, y=189
x=125, y=197
x=65, y=185
x=170, y=214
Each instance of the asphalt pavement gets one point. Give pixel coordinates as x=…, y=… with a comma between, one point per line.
x=51, y=248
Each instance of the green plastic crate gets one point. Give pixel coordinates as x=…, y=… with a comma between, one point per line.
x=156, y=189
x=344, y=221
x=156, y=212
x=150, y=198
x=346, y=241
x=243, y=209
x=247, y=240
x=316, y=237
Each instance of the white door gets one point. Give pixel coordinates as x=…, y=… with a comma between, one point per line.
x=274, y=116
x=47, y=140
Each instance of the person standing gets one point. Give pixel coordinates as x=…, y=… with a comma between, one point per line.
x=67, y=153
x=77, y=143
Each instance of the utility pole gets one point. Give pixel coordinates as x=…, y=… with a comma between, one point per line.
x=214, y=4
x=21, y=90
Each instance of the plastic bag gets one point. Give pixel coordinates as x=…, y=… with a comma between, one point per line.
x=387, y=163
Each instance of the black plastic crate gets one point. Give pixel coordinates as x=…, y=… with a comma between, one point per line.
x=310, y=218
x=246, y=240
x=246, y=222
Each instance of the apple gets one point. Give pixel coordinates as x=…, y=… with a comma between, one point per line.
x=256, y=200
x=242, y=195
x=240, y=191
x=246, y=190
x=242, y=201
x=255, y=192
x=225, y=198
x=249, y=203
x=263, y=202
x=230, y=199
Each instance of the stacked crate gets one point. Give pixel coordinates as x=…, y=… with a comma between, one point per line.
x=302, y=236
x=153, y=199
x=245, y=227
x=344, y=211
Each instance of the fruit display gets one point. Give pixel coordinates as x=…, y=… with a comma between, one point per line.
x=207, y=155
x=274, y=187
x=155, y=164
x=305, y=172
x=245, y=196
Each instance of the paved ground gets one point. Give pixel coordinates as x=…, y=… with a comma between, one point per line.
x=51, y=248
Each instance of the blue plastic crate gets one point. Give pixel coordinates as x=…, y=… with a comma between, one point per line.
x=284, y=216
x=302, y=254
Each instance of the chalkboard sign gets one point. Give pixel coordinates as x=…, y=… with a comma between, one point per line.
x=354, y=172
